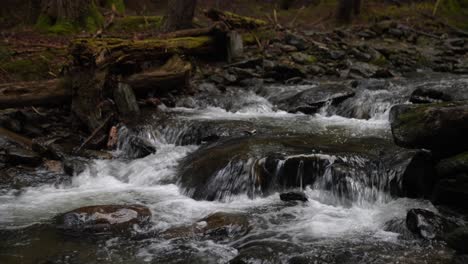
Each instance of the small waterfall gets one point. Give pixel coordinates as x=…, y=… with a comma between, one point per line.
x=300, y=174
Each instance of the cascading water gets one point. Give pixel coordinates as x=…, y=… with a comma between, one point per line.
x=234, y=155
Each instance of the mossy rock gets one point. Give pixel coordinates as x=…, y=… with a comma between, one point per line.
x=441, y=127
x=137, y=23
x=453, y=165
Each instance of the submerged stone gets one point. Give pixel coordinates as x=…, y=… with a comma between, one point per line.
x=103, y=219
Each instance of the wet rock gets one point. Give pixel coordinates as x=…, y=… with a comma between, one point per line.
x=458, y=240
x=362, y=70
x=297, y=41
x=138, y=147
x=337, y=54
x=453, y=165
x=438, y=127
x=427, y=224
x=74, y=165
x=252, y=165
x=281, y=72
x=15, y=155
x=452, y=192
x=249, y=63
x=302, y=58
x=103, y=219
x=293, y=196
x=311, y=100
x=217, y=226
x=433, y=93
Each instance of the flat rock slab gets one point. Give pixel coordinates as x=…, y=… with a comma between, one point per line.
x=103, y=219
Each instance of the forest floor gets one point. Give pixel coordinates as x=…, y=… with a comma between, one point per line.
x=28, y=54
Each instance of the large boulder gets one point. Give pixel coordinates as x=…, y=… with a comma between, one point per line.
x=440, y=92
x=103, y=219
x=441, y=127
x=264, y=164
x=428, y=225
x=310, y=100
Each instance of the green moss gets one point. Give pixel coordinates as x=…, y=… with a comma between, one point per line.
x=27, y=69
x=262, y=35
x=456, y=12
x=5, y=52
x=43, y=22
x=136, y=23
x=380, y=61
x=94, y=18
x=119, y=5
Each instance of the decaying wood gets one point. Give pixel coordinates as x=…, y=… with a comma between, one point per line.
x=216, y=28
x=234, y=21
x=174, y=75
x=95, y=132
x=37, y=93
x=15, y=138
x=109, y=52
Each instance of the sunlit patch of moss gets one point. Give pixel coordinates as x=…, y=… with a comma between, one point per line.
x=136, y=23
x=250, y=38
x=118, y=4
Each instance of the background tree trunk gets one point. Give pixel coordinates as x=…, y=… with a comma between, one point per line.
x=346, y=8
x=179, y=14
x=64, y=10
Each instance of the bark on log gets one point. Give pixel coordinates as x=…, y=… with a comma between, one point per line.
x=234, y=21
x=174, y=75
x=116, y=52
x=37, y=93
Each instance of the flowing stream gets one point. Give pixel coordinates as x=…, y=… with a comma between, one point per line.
x=337, y=225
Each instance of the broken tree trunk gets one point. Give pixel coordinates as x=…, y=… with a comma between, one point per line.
x=37, y=93
x=234, y=21
x=172, y=76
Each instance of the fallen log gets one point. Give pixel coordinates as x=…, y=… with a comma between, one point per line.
x=36, y=93
x=116, y=52
x=174, y=75
x=234, y=21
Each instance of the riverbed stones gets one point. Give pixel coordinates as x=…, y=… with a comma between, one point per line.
x=428, y=225
x=439, y=127
x=103, y=219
